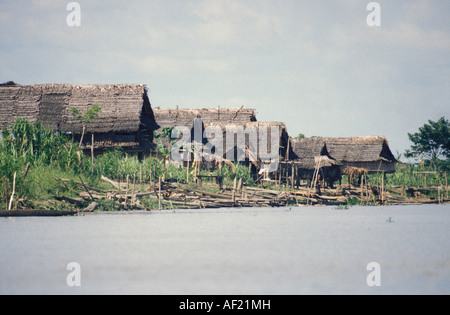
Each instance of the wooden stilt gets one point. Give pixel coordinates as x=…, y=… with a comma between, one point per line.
x=159, y=194
x=92, y=153
x=446, y=186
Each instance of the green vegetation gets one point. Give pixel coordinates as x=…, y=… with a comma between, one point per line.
x=431, y=142
x=46, y=164
x=42, y=165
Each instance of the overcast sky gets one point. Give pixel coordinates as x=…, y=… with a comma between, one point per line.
x=315, y=65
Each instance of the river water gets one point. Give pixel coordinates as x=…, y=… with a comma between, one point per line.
x=305, y=250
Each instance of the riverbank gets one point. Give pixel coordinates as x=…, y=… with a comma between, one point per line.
x=172, y=195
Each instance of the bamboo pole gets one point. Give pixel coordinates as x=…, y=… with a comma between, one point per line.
x=187, y=172
x=362, y=188
x=292, y=175
x=446, y=185
x=156, y=167
x=366, y=180
x=134, y=189
x=13, y=191
x=92, y=153
x=234, y=190
x=150, y=165
x=239, y=185
x=439, y=194
x=159, y=195
x=126, y=191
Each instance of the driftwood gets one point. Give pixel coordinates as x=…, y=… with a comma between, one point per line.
x=168, y=195
x=77, y=201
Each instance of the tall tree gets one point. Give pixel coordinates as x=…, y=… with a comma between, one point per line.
x=432, y=141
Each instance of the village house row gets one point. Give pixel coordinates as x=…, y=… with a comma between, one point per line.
x=128, y=120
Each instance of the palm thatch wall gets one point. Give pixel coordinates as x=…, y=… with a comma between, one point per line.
x=126, y=118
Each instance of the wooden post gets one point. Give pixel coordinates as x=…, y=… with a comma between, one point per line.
x=92, y=153
x=280, y=166
x=187, y=172
x=134, y=183
x=156, y=167
x=292, y=175
x=126, y=192
x=439, y=194
x=159, y=195
x=366, y=180
x=362, y=188
x=239, y=185
x=13, y=191
x=150, y=165
x=446, y=185
x=382, y=187
x=234, y=190
x=140, y=173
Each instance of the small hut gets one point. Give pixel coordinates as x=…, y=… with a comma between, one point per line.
x=311, y=155
x=195, y=119
x=126, y=118
x=362, y=154
x=255, y=142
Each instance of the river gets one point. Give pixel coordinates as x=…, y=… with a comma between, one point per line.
x=270, y=251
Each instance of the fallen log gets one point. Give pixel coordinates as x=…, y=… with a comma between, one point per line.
x=114, y=183
x=76, y=201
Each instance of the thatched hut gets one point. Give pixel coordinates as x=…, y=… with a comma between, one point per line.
x=186, y=118
x=126, y=118
x=365, y=154
x=311, y=154
x=252, y=141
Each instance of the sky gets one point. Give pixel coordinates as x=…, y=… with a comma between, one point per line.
x=315, y=65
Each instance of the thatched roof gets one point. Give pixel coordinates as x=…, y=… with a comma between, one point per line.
x=371, y=153
x=310, y=152
x=359, y=149
x=125, y=107
x=185, y=116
